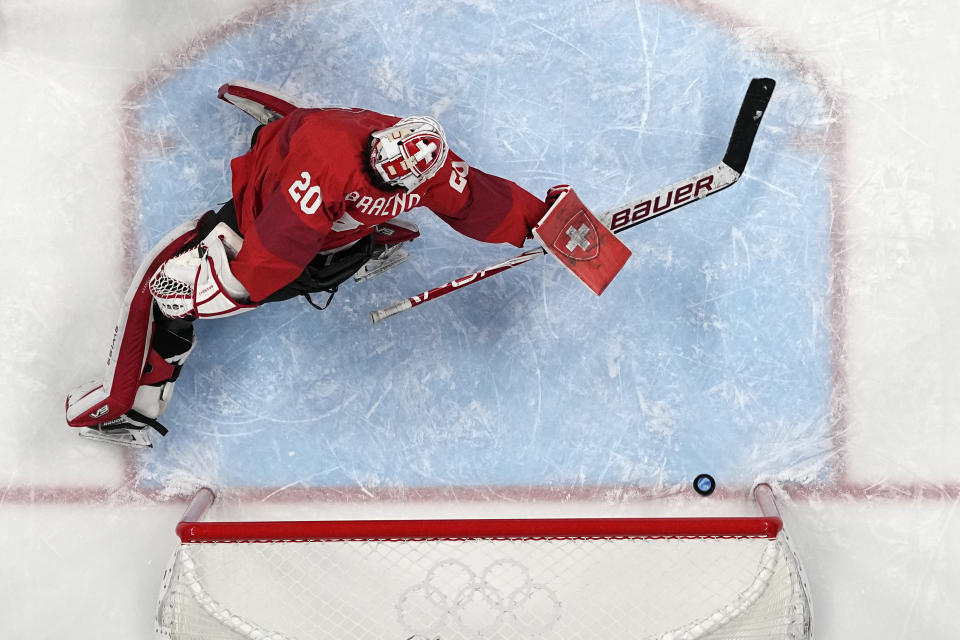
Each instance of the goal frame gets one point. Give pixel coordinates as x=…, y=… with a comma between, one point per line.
x=191, y=528
x=767, y=527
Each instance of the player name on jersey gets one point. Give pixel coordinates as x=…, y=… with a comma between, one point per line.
x=392, y=206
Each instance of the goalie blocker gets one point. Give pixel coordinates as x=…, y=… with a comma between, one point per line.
x=574, y=236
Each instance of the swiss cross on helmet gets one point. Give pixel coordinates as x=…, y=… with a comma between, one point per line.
x=410, y=152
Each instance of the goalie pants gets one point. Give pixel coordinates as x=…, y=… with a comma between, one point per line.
x=325, y=273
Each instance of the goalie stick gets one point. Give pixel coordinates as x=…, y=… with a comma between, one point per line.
x=654, y=205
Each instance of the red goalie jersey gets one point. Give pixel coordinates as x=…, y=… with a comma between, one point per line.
x=307, y=187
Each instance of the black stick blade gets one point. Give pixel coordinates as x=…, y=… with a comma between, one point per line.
x=748, y=122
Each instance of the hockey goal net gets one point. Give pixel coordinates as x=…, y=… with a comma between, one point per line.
x=667, y=578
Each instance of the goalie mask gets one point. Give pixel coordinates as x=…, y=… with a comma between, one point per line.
x=409, y=153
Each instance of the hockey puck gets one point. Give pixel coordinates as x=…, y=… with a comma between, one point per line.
x=704, y=484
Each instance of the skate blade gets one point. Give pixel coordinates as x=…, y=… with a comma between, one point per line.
x=376, y=267
x=134, y=441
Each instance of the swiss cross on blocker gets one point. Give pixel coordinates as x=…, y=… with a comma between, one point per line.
x=574, y=236
x=581, y=238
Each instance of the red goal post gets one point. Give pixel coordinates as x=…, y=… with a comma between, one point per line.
x=497, y=579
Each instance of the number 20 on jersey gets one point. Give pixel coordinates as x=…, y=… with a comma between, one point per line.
x=309, y=197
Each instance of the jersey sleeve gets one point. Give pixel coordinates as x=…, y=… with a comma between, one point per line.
x=480, y=205
x=287, y=215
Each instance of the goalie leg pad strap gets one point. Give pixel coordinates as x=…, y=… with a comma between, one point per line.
x=172, y=342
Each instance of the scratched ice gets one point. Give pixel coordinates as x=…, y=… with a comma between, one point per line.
x=708, y=352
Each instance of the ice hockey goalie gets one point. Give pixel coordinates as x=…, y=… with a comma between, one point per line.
x=315, y=199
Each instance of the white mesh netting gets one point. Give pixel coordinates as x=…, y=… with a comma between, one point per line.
x=486, y=589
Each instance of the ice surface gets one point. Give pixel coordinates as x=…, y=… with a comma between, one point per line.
x=708, y=352
x=797, y=328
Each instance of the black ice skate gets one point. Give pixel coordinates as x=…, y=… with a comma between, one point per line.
x=132, y=429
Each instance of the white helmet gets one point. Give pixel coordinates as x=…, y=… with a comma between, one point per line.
x=410, y=152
